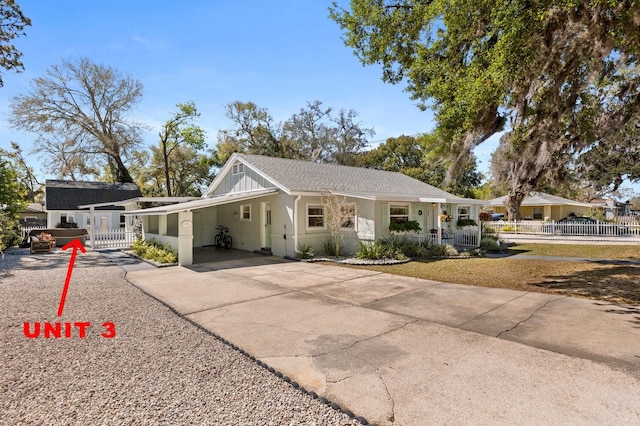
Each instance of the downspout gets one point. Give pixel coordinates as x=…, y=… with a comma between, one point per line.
x=295, y=225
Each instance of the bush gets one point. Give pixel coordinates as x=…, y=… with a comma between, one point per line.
x=329, y=247
x=67, y=225
x=466, y=222
x=153, y=250
x=408, y=226
x=9, y=231
x=305, y=251
x=378, y=251
x=490, y=244
x=508, y=228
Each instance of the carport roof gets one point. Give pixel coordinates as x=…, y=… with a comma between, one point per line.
x=202, y=203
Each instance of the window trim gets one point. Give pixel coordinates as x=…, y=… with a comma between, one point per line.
x=242, y=211
x=307, y=216
x=237, y=169
x=408, y=215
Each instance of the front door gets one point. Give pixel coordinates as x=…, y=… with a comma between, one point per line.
x=266, y=225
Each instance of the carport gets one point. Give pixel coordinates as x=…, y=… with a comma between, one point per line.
x=174, y=224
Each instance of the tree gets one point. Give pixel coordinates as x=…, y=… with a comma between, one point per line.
x=12, y=25
x=12, y=199
x=82, y=106
x=339, y=214
x=179, y=132
x=255, y=132
x=421, y=159
x=189, y=173
x=350, y=138
x=562, y=76
x=313, y=134
x=24, y=173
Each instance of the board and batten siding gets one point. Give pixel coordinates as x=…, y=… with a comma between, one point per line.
x=248, y=180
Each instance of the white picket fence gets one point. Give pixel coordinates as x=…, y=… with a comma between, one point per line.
x=110, y=238
x=536, y=227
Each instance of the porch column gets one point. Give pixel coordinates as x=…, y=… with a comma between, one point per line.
x=438, y=207
x=185, y=238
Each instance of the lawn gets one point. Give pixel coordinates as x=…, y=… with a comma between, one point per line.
x=611, y=283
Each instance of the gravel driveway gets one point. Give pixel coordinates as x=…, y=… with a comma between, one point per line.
x=159, y=369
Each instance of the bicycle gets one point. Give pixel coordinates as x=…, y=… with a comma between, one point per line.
x=223, y=239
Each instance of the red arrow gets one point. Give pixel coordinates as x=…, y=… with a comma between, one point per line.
x=76, y=244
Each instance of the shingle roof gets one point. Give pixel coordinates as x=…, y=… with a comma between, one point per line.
x=307, y=176
x=68, y=195
x=540, y=199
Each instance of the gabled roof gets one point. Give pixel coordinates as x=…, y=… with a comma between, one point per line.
x=68, y=195
x=33, y=208
x=298, y=176
x=539, y=199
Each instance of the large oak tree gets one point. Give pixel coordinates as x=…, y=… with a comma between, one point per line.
x=80, y=110
x=12, y=25
x=560, y=76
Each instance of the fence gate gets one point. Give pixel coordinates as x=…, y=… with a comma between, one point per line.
x=112, y=238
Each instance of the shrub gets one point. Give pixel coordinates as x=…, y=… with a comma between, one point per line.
x=153, y=250
x=408, y=226
x=305, y=251
x=490, y=245
x=9, y=231
x=466, y=222
x=329, y=247
x=508, y=228
x=378, y=251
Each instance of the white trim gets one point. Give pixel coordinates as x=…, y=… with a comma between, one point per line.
x=202, y=203
x=307, y=216
x=398, y=204
x=242, y=218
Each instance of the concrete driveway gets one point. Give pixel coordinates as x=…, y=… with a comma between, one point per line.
x=407, y=351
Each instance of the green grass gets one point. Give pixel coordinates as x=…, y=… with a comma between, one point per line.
x=610, y=283
x=593, y=251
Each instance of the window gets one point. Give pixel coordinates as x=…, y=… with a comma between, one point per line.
x=122, y=221
x=237, y=169
x=245, y=212
x=315, y=217
x=463, y=212
x=537, y=213
x=348, y=212
x=398, y=213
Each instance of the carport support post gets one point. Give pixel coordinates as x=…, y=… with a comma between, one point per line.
x=92, y=227
x=185, y=238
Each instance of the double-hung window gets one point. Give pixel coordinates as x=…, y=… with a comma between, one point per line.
x=398, y=213
x=245, y=212
x=315, y=216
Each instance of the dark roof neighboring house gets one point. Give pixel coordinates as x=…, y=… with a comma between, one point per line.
x=68, y=195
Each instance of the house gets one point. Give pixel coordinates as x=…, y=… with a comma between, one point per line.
x=541, y=206
x=33, y=215
x=277, y=204
x=66, y=200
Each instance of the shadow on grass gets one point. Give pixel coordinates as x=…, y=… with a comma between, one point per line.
x=613, y=284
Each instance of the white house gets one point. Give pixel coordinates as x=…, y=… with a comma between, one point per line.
x=277, y=204
x=66, y=200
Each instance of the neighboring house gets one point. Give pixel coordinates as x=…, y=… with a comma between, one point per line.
x=277, y=204
x=541, y=206
x=609, y=207
x=65, y=199
x=33, y=215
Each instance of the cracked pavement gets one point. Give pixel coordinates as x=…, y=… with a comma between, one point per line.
x=405, y=351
